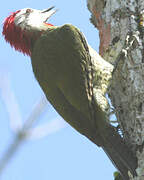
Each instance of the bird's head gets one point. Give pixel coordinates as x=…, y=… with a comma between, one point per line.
x=24, y=26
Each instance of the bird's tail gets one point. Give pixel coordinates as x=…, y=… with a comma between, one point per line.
x=118, y=152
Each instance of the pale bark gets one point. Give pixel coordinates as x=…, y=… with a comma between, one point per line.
x=121, y=29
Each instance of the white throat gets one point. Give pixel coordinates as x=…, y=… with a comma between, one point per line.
x=30, y=21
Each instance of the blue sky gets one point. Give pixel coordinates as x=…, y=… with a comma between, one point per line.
x=63, y=154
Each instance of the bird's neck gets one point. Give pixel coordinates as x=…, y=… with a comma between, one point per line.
x=23, y=40
x=28, y=38
x=28, y=41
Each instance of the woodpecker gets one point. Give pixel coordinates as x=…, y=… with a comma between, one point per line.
x=62, y=65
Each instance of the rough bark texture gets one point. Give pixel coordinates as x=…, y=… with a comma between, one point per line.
x=121, y=29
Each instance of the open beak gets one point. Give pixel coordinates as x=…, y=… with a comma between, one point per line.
x=47, y=13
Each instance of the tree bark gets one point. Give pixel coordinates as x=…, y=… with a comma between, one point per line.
x=121, y=30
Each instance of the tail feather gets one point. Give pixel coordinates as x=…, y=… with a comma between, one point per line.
x=118, y=152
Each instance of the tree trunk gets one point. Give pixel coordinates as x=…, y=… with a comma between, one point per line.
x=121, y=30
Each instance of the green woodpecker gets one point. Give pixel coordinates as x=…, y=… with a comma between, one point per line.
x=62, y=65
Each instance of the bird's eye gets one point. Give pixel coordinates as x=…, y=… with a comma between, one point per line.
x=28, y=10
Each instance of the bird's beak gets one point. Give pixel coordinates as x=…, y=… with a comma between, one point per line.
x=47, y=13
